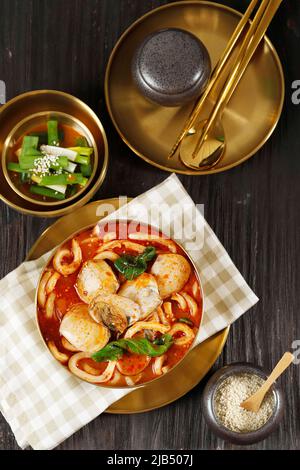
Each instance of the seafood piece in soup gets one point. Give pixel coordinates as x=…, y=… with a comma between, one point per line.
x=82, y=331
x=115, y=311
x=94, y=277
x=144, y=291
x=172, y=272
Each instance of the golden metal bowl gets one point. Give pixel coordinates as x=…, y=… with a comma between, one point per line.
x=29, y=123
x=180, y=380
x=183, y=357
x=26, y=107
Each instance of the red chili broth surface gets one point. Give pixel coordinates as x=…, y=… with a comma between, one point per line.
x=66, y=297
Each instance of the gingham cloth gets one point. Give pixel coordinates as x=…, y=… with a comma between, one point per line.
x=43, y=403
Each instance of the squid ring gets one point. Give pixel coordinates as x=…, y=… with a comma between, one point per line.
x=195, y=288
x=109, y=246
x=116, y=378
x=144, y=325
x=107, y=255
x=155, y=238
x=192, y=304
x=89, y=240
x=90, y=370
x=41, y=296
x=109, y=236
x=61, y=357
x=157, y=366
x=49, y=307
x=162, y=317
x=67, y=345
x=133, y=246
x=133, y=379
x=167, y=308
x=104, y=377
x=182, y=328
x=66, y=269
x=52, y=282
x=118, y=243
x=153, y=317
x=180, y=300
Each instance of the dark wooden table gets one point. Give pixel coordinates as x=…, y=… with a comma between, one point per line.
x=254, y=209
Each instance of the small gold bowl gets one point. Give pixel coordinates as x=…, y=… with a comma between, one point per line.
x=25, y=126
x=32, y=108
x=135, y=223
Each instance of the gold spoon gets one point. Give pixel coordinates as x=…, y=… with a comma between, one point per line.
x=205, y=144
x=254, y=402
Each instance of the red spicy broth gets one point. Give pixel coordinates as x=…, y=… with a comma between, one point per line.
x=179, y=313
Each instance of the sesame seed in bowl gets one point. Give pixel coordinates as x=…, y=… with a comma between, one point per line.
x=223, y=395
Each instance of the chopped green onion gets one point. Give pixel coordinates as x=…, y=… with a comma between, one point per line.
x=43, y=136
x=29, y=142
x=59, y=152
x=52, y=127
x=62, y=162
x=82, y=159
x=27, y=162
x=71, y=167
x=86, y=151
x=41, y=191
x=32, y=152
x=70, y=178
x=86, y=170
x=11, y=166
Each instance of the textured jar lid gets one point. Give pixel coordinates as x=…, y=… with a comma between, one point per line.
x=172, y=61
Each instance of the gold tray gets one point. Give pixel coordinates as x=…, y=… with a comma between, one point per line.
x=177, y=382
x=150, y=130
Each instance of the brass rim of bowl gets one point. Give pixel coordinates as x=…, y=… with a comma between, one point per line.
x=85, y=198
x=5, y=151
x=140, y=154
x=128, y=387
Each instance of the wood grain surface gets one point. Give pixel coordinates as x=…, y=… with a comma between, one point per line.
x=254, y=208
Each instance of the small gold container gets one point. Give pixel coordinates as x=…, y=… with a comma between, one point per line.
x=156, y=379
x=30, y=109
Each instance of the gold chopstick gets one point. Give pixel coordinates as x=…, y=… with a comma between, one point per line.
x=216, y=75
x=249, y=45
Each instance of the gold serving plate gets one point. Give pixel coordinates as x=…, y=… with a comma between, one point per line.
x=187, y=373
x=20, y=109
x=151, y=130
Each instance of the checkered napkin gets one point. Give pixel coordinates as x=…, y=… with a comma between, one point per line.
x=43, y=403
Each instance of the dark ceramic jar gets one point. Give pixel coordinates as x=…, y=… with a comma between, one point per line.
x=171, y=67
x=212, y=420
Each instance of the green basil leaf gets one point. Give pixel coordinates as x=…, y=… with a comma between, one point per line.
x=125, y=262
x=186, y=320
x=114, y=350
x=111, y=352
x=132, y=266
x=148, y=254
x=134, y=271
